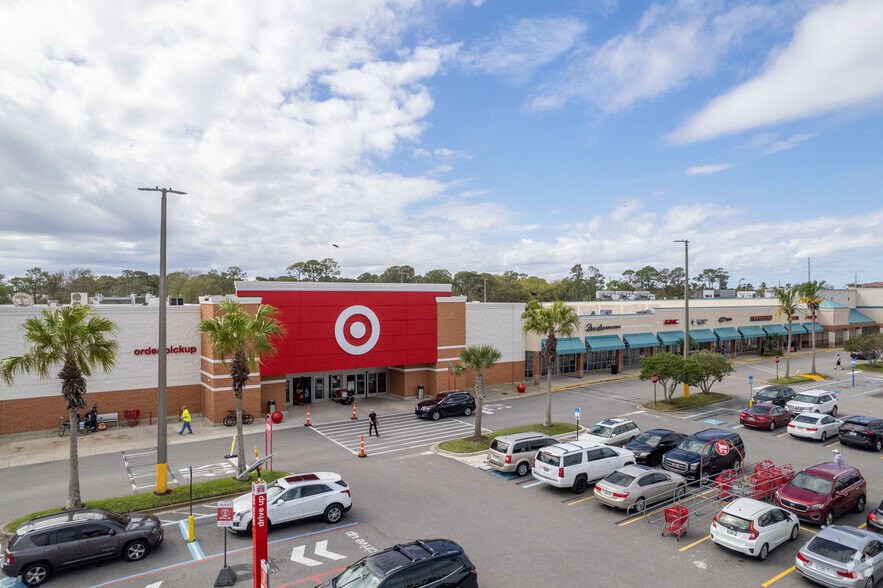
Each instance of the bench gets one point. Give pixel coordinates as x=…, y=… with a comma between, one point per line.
x=109, y=417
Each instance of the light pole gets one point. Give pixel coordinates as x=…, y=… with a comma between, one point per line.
x=162, y=458
x=686, y=306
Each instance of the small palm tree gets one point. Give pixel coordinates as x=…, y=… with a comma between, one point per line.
x=477, y=358
x=76, y=338
x=789, y=305
x=551, y=321
x=247, y=339
x=811, y=296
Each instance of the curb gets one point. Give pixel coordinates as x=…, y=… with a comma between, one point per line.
x=439, y=451
x=687, y=407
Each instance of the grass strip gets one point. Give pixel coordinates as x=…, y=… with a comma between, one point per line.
x=147, y=501
x=680, y=403
x=467, y=446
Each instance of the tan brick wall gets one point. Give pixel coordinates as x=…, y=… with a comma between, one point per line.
x=276, y=392
x=451, y=324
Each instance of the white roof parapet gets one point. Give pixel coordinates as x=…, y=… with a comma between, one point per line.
x=252, y=286
x=215, y=299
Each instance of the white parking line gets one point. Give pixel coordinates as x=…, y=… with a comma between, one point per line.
x=868, y=391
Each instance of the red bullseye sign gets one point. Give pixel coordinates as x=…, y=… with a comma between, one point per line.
x=357, y=330
x=722, y=447
x=655, y=378
x=777, y=359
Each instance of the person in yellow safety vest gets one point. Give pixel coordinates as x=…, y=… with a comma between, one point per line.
x=185, y=416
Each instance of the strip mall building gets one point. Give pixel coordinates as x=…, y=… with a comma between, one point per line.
x=393, y=339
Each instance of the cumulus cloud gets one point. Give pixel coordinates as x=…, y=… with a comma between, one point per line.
x=707, y=169
x=832, y=63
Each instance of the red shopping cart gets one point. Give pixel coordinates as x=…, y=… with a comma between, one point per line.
x=132, y=417
x=677, y=519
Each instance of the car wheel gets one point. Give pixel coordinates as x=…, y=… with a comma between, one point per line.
x=467, y=411
x=35, y=574
x=580, y=485
x=829, y=518
x=794, y=532
x=680, y=491
x=834, y=411
x=878, y=445
x=860, y=505
x=764, y=551
x=737, y=466
x=248, y=529
x=772, y=425
x=135, y=550
x=824, y=435
x=870, y=583
x=640, y=504
x=333, y=513
x=705, y=479
x=522, y=469
x=435, y=415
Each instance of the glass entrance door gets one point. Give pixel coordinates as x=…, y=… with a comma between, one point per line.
x=360, y=384
x=318, y=388
x=372, y=384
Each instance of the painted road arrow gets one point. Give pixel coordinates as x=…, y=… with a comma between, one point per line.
x=297, y=554
x=322, y=551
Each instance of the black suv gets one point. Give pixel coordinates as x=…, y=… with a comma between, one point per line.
x=862, y=430
x=71, y=538
x=430, y=562
x=650, y=446
x=778, y=395
x=700, y=452
x=446, y=404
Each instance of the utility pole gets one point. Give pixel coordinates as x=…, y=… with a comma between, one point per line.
x=686, y=306
x=808, y=270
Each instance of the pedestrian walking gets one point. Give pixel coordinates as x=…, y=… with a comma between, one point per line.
x=185, y=416
x=838, y=366
x=838, y=458
x=372, y=423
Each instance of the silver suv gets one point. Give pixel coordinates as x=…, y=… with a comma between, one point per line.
x=516, y=452
x=576, y=464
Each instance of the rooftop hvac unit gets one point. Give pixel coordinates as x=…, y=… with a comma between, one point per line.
x=606, y=311
x=78, y=298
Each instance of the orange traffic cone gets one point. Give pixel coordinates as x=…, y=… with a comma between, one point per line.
x=354, y=417
x=362, y=452
x=307, y=424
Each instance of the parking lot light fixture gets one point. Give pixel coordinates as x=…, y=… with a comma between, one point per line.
x=686, y=306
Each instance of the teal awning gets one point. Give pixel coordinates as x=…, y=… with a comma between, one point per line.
x=641, y=340
x=855, y=317
x=819, y=328
x=797, y=329
x=702, y=336
x=670, y=337
x=604, y=343
x=775, y=330
x=727, y=333
x=568, y=345
x=751, y=331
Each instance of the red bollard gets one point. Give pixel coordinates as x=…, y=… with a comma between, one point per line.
x=362, y=452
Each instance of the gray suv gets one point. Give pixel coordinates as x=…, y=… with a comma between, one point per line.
x=516, y=452
x=72, y=538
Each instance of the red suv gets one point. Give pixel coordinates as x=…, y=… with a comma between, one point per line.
x=823, y=491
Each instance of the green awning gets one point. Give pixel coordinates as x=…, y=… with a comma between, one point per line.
x=670, y=337
x=568, y=345
x=604, y=343
x=641, y=340
x=775, y=330
x=727, y=333
x=856, y=317
x=797, y=329
x=751, y=331
x=819, y=328
x=702, y=336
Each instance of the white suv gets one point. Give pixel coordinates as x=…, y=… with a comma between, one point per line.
x=813, y=401
x=575, y=464
x=613, y=432
x=295, y=497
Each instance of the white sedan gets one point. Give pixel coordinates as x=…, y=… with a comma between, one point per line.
x=814, y=426
x=753, y=527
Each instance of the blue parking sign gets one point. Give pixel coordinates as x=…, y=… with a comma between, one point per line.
x=576, y=413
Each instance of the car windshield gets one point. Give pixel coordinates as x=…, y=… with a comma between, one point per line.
x=651, y=439
x=619, y=479
x=692, y=445
x=757, y=410
x=552, y=460
x=274, y=490
x=118, y=518
x=812, y=483
x=500, y=446
x=772, y=394
x=358, y=576
x=807, y=418
x=831, y=550
x=807, y=398
x=601, y=431
x=733, y=522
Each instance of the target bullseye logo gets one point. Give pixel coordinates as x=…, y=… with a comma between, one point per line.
x=350, y=329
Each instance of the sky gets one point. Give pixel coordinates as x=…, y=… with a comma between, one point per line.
x=483, y=135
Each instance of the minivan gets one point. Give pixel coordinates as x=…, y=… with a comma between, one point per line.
x=516, y=452
x=702, y=452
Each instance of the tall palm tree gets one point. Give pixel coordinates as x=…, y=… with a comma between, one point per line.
x=811, y=296
x=76, y=338
x=477, y=358
x=789, y=305
x=247, y=339
x=551, y=321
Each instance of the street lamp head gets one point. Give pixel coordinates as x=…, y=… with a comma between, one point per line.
x=163, y=190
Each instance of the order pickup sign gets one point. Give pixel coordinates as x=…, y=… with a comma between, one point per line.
x=225, y=514
x=722, y=447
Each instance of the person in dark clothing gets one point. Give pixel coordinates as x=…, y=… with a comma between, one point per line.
x=372, y=423
x=93, y=418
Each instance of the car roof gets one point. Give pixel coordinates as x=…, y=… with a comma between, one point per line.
x=816, y=393
x=635, y=470
x=849, y=536
x=772, y=387
x=514, y=437
x=59, y=518
x=765, y=405
x=662, y=432
x=314, y=477
x=403, y=554
x=568, y=446
x=861, y=420
x=712, y=434
x=614, y=421
x=830, y=470
x=816, y=416
x=746, y=507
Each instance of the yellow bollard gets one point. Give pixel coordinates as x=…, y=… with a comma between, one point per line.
x=686, y=390
x=191, y=537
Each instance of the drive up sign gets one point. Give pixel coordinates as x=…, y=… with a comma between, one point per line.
x=722, y=447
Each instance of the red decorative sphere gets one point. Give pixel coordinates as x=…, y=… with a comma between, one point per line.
x=277, y=417
x=520, y=388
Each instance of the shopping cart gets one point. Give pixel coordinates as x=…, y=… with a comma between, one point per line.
x=132, y=417
x=677, y=519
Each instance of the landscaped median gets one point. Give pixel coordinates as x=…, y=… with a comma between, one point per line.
x=468, y=446
x=681, y=403
x=147, y=501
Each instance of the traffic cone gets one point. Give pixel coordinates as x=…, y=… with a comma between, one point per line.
x=362, y=452
x=307, y=424
x=354, y=417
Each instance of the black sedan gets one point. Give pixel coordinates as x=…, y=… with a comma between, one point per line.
x=650, y=446
x=446, y=404
x=861, y=355
x=778, y=395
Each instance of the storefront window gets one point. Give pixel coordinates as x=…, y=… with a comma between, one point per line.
x=567, y=364
x=632, y=357
x=599, y=360
x=528, y=364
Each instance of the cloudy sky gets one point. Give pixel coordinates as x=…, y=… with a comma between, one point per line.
x=486, y=135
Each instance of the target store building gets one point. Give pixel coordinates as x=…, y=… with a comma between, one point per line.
x=368, y=339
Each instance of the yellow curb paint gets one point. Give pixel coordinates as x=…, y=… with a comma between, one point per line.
x=694, y=543
x=819, y=378
x=779, y=577
x=802, y=529
x=782, y=434
x=635, y=520
x=833, y=444
x=863, y=525
x=580, y=500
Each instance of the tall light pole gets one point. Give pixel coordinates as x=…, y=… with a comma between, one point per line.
x=686, y=306
x=162, y=458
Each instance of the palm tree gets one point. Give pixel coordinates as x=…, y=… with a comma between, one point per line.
x=76, y=338
x=789, y=305
x=477, y=358
x=811, y=296
x=247, y=339
x=551, y=322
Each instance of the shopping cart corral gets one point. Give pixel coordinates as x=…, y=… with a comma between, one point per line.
x=759, y=481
